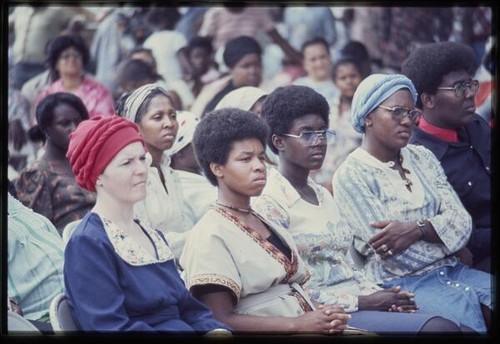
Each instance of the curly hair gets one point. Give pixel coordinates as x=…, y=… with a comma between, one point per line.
x=217, y=131
x=45, y=112
x=427, y=66
x=61, y=43
x=285, y=104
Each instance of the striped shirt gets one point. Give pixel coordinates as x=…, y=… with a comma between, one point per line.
x=35, y=260
x=367, y=190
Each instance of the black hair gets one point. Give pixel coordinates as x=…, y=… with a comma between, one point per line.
x=285, y=104
x=427, y=66
x=358, y=52
x=133, y=70
x=217, y=131
x=355, y=50
x=45, y=112
x=163, y=17
x=61, y=43
x=204, y=42
x=313, y=41
x=346, y=60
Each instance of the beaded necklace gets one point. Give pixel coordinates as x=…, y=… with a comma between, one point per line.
x=232, y=207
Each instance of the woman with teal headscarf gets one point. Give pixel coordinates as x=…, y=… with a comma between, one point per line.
x=407, y=220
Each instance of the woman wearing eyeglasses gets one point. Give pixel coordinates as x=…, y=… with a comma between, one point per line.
x=461, y=140
x=298, y=118
x=67, y=58
x=242, y=265
x=407, y=220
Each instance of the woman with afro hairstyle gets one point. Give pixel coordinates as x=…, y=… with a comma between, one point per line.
x=298, y=119
x=243, y=266
x=48, y=185
x=450, y=127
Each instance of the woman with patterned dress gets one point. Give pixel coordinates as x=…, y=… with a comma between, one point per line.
x=245, y=268
x=48, y=185
x=407, y=220
x=298, y=119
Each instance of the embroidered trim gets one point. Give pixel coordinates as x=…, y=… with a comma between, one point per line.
x=302, y=302
x=291, y=267
x=218, y=280
x=130, y=251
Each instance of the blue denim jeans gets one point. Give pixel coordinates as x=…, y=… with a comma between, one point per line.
x=453, y=292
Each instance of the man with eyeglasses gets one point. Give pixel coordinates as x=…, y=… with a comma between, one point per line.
x=450, y=128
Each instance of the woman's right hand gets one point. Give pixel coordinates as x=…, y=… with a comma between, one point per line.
x=327, y=319
x=391, y=300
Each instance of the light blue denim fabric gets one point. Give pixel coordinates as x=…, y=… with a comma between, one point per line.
x=453, y=292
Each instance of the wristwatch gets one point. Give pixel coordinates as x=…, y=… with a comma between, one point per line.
x=421, y=225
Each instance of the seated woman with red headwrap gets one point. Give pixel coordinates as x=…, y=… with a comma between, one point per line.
x=111, y=254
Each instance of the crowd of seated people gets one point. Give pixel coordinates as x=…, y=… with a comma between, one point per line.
x=177, y=183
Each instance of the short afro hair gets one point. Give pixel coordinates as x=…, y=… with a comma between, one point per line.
x=427, y=66
x=217, y=131
x=285, y=104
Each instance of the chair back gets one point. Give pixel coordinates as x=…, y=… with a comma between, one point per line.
x=17, y=324
x=60, y=315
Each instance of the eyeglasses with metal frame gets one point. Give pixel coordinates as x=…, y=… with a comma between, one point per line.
x=461, y=87
x=399, y=112
x=312, y=136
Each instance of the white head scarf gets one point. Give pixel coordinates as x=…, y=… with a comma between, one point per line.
x=242, y=98
x=135, y=100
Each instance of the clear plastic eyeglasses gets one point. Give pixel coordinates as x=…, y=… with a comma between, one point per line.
x=68, y=55
x=461, y=87
x=399, y=112
x=312, y=136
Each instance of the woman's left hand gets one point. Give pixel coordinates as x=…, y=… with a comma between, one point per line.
x=393, y=238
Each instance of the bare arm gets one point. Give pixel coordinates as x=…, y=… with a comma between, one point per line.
x=222, y=304
x=293, y=54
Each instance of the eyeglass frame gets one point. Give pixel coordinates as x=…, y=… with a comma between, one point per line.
x=68, y=55
x=468, y=86
x=323, y=136
x=393, y=109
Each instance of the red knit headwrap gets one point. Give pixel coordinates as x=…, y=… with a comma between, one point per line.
x=95, y=142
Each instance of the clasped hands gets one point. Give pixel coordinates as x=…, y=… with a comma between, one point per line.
x=328, y=319
x=390, y=300
x=393, y=237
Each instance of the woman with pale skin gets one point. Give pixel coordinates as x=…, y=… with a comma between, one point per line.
x=246, y=269
x=151, y=108
x=111, y=253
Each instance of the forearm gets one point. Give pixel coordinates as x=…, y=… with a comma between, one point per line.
x=252, y=323
x=293, y=54
x=427, y=232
